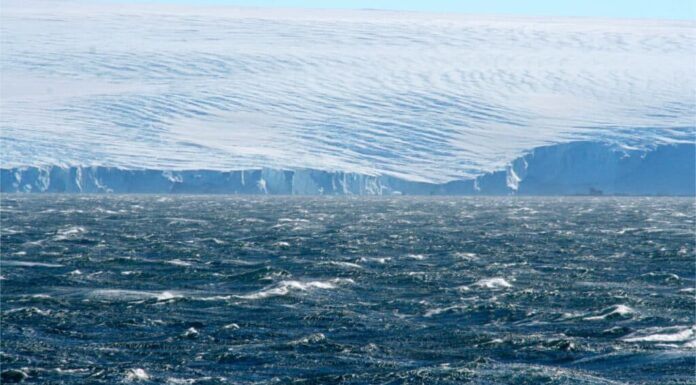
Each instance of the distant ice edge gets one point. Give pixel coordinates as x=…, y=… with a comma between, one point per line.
x=575, y=168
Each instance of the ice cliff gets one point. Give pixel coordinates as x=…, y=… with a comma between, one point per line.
x=101, y=97
x=418, y=96
x=564, y=169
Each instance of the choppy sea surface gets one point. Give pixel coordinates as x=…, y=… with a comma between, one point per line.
x=254, y=290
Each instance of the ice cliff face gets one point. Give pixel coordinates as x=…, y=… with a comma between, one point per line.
x=264, y=181
x=419, y=97
x=568, y=169
x=597, y=168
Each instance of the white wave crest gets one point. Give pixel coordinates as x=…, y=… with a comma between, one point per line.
x=669, y=334
x=614, y=311
x=493, y=283
x=132, y=295
x=285, y=287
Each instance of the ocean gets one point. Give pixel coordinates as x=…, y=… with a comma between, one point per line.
x=100, y=289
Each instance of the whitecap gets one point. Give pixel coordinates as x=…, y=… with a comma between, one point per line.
x=178, y=262
x=10, y=231
x=72, y=211
x=466, y=256
x=438, y=310
x=215, y=298
x=493, y=283
x=618, y=310
x=310, y=339
x=29, y=310
x=345, y=264
x=136, y=374
x=176, y=220
x=626, y=230
x=292, y=220
x=180, y=381
x=29, y=264
x=417, y=257
x=132, y=295
x=463, y=288
x=70, y=371
x=668, y=334
x=167, y=295
x=380, y=260
x=662, y=276
x=191, y=333
x=69, y=233
x=106, y=211
x=284, y=287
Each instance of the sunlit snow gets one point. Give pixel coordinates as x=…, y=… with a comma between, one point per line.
x=427, y=97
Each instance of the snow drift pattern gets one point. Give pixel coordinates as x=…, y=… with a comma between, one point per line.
x=419, y=97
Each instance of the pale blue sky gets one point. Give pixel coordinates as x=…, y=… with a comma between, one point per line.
x=654, y=9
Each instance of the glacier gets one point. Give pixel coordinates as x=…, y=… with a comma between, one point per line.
x=565, y=169
x=98, y=96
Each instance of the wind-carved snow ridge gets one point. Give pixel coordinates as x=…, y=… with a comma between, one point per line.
x=419, y=97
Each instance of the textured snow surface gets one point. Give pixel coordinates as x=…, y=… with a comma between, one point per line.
x=421, y=97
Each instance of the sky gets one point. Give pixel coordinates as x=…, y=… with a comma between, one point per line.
x=651, y=9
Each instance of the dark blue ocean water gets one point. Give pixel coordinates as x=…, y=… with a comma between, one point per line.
x=213, y=290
